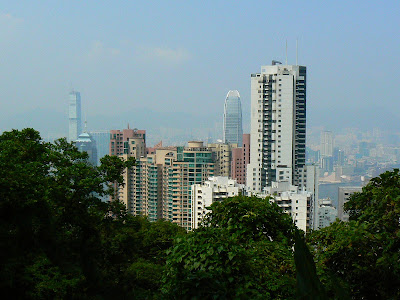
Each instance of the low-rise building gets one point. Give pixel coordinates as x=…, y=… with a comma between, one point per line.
x=343, y=197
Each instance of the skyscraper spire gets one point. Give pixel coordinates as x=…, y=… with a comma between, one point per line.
x=233, y=130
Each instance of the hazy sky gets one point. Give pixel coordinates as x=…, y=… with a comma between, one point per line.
x=184, y=56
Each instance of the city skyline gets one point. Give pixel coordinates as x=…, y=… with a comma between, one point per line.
x=112, y=53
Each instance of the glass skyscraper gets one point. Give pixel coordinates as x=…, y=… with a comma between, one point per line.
x=102, y=139
x=74, y=114
x=233, y=130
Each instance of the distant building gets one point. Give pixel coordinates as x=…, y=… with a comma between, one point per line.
x=338, y=157
x=134, y=192
x=214, y=189
x=326, y=214
x=222, y=157
x=311, y=185
x=240, y=160
x=86, y=143
x=102, y=138
x=74, y=114
x=118, y=140
x=326, y=144
x=159, y=185
x=194, y=165
x=327, y=163
x=343, y=197
x=233, y=130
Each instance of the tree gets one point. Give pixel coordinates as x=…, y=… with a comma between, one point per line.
x=244, y=250
x=364, y=253
x=58, y=239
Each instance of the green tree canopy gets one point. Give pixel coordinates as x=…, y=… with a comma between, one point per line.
x=364, y=253
x=243, y=250
x=58, y=239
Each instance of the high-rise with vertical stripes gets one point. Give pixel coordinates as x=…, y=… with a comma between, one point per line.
x=74, y=114
x=278, y=126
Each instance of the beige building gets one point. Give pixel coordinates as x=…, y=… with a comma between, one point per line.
x=159, y=185
x=222, y=156
x=194, y=165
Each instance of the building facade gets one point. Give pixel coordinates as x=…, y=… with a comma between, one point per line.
x=293, y=201
x=222, y=157
x=194, y=165
x=240, y=160
x=102, y=138
x=343, y=197
x=326, y=214
x=233, y=130
x=214, y=189
x=118, y=140
x=159, y=185
x=74, y=115
x=326, y=143
x=278, y=126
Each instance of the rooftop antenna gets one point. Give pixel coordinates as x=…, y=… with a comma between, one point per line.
x=128, y=125
x=297, y=52
x=286, y=52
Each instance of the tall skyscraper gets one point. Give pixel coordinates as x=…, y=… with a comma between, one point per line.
x=75, y=120
x=326, y=143
x=278, y=126
x=233, y=130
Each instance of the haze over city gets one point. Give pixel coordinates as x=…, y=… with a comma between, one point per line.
x=165, y=66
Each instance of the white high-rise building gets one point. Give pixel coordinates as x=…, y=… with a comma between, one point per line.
x=74, y=114
x=278, y=126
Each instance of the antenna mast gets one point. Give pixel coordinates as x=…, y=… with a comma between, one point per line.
x=297, y=52
x=286, y=52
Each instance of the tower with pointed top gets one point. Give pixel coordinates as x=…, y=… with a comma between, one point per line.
x=86, y=143
x=74, y=114
x=233, y=130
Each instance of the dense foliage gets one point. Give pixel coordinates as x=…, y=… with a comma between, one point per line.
x=244, y=250
x=363, y=255
x=58, y=240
